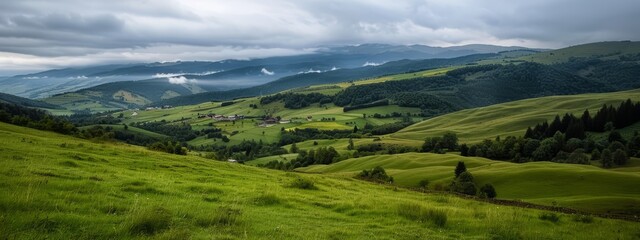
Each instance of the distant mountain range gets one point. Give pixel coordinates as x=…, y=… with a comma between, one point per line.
x=189, y=77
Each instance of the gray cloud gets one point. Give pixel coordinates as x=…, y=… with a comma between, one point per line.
x=41, y=34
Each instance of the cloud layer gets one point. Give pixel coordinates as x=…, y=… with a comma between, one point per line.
x=43, y=34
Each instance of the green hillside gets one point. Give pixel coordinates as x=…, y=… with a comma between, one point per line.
x=66, y=188
x=583, y=187
x=8, y=98
x=510, y=119
x=604, y=50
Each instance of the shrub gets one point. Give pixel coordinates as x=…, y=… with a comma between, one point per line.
x=578, y=157
x=424, y=183
x=505, y=232
x=488, y=191
x=464, y=184
x=582, y=218
x=551, y=217
x=595, y=155
x=377, y=174
x=606, y=158
x=267, y=199
x=302, y=183
x=417, y=212
x=460, y=168
x=149, y=221
x=620, y=157
x=223, y=216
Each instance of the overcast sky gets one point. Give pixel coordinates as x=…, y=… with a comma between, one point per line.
x=43, y=34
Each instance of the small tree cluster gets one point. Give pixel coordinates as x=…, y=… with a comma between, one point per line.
x=377, y=174
x=448, y=141
x=169, y=147
x=464, y=183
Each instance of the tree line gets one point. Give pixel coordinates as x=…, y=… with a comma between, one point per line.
x=297, y=100
x=607, y=118
x=321, y=155
x=35, y=118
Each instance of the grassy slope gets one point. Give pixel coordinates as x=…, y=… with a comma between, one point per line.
x=604, y=50
x=510, y=119
x=129, y=128
x=67, y=188
x=581, y=187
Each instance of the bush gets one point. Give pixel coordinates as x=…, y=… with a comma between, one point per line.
x=488, y=191
x=464, y=184
x=377, y=174
x=582, y=218
x=267, y=199
x=223, y=216
x=578, y=157
x=149, y=221
x=551, y=217
x=424, y=183
x=416, y=212
x=302, y=183
x=620, y=157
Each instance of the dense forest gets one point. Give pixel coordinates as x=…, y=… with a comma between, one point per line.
x=483, y=85
x=34, y=118
x=297, y=100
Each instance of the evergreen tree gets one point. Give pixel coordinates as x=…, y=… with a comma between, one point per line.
x=464, y=150
x=578, y=157
x=620, y=157
x=464, y=184
x=595, y=155
x=529, y=133
x=351, y=146
x=607, y=160
x=586, y=120
x=460, y=168
x=294, y=148
x=615, y=136
x=633, y=146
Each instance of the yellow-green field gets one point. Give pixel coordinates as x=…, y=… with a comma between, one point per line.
x=68, y=188
x=249, y=129
x=510, y=119
x=582, y=187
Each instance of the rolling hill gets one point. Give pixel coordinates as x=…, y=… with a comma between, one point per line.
x=84, y=189
x=510, y=119
x=582, y=187
x=337, y=76
x=8, y=98
x=47, y=83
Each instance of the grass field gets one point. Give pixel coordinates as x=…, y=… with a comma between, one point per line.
x=57, y=187
x=510, y=119
x=582, y=187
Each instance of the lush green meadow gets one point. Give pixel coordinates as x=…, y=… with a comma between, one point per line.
x=510, y=119
x=583, y=187
x=67, y=188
